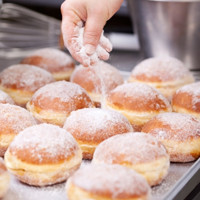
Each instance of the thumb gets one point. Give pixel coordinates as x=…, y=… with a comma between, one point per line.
x=93, y=30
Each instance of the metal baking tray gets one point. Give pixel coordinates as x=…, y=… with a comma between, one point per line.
x=180, y=181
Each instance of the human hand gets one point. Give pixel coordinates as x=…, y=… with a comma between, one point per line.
x=94, y=14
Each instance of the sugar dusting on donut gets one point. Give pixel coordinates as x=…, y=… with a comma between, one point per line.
x=95, y=124
x=164, y=68
x=2, y=166
x=5, y=98
x=26, y=77
x=192, y=89
x=141, y=91
x=15, y=117
x=115, y=180
x=64, y=91
x=177, y=126
x=133, y=148
x=53, y=54
x=44, y=139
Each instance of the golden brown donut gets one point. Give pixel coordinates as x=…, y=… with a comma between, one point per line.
x=21, y=81
x=138, y=102
x=4, y=179
x=43, y=155
x=97, y=80
x=90, y=126
x=5, y=98
x=167, y=74
x=55, y=101
x=107, y=182
x=53, y=60
x=13, y=119
x=180, y=133
x=187, y=100
x=138, y=151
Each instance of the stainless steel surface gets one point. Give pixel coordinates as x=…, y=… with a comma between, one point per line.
x=169, y=27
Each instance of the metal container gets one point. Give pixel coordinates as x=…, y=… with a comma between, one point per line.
x=168, y=27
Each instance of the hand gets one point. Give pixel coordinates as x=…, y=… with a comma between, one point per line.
x=94, y=14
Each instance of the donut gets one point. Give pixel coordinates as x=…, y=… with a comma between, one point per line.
x=187, y=100
x=107, y=182
x=180, y=133
x=21, y=81
x=167, y=74
x=55, y=101
x=58, y=63
x=42, y=155
x=90, y=126
x=5, y=98
x=4, y=179
x=138, y=102
x=13, y=119
x=138, y=151
x=97, y=80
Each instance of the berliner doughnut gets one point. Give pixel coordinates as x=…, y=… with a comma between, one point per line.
x=167, y=74
x=138, y=102
x=13, y=119
x=55, y=101
x=43, y=155
x=180, y=133
x=21, y=81
x=187, y=100
x=90, y=126
x=138, y=151
x=5, y=98
x=97, y=80
x=53, y=60
x=107, y=182
x=4, y=179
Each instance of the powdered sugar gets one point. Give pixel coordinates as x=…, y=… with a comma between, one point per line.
x=53, y=54
x=131, y=148
x=164, y=68
x=193, y=90
x=96, y=124
x=64, y=91
x=5, y=98
x=109, y=74
x=14, y=118
x=117, y=181
x=176, y=126
x=2, y=167
x=26, y=77
x=78, y=46
x=44, y=139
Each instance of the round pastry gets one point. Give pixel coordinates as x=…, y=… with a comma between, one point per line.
x=5, y=98
x=42, y=155
x=167, y=74
x=13, y=119
x=21, y=81
x=97, y=80
x=107, y=182
x=90, y=126
x=55, y=61
x=187, y=100
x=138, y=102
x=4, y=179
x=138, y=151
x=55, y=101
x=180, y=133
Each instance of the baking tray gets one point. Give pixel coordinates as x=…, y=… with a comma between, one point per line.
x=180, y=181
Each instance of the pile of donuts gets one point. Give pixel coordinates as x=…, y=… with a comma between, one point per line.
x=54, y=114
